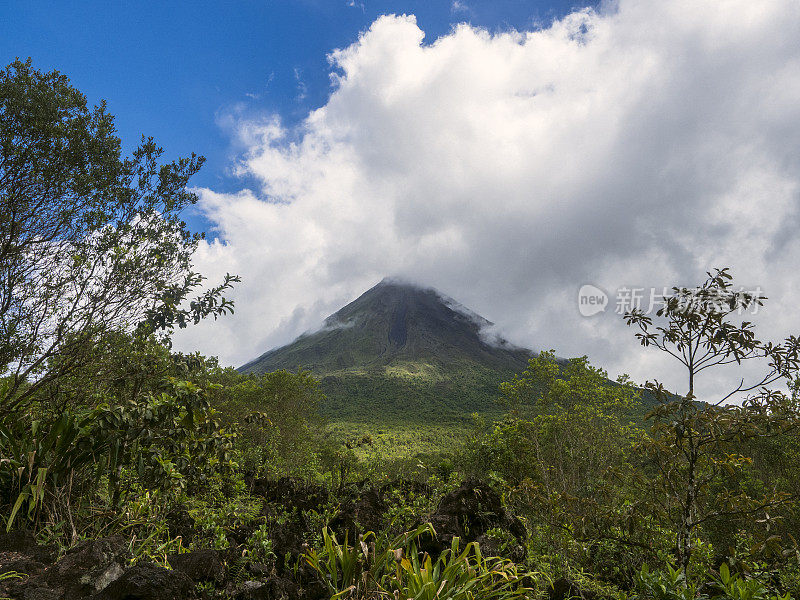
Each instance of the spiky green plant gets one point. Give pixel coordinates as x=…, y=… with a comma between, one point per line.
x=378, y=567
x=458, y=575
x=361, y=569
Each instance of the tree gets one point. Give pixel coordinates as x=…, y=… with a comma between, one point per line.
x=567, y=428
x=90, y=242
x=276, y=415
x=577, y=428
x=696, y=445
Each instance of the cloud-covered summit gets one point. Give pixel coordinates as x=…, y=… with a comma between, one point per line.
x=638, y=145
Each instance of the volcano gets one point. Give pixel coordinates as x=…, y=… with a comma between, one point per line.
x=402, y=353
x=395, y=323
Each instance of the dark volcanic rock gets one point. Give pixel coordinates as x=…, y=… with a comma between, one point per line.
x=180, y=523
x=290, y=492
x=562, y=589
x=20, y=554
x=369, y=510
x=259, y=569
x=468, y=513
x=33, y=593
x=83, y=571
x=287, y=542
x=364, y=511
x=23, y=542
x=17, y=541
x=18, y=563
x=149, y=582
x=88, y=567
x=200, y=565
x=251, y=590
x=275, y=588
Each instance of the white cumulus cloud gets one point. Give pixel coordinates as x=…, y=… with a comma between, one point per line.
x=638, y=145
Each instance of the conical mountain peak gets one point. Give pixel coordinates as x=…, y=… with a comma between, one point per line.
x=394, y=321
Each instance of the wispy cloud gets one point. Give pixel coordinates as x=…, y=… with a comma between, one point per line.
x=460, y=7
x=259, y=95
x=302, y=88
x=356, y=4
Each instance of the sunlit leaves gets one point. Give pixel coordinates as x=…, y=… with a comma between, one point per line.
x=90, y=241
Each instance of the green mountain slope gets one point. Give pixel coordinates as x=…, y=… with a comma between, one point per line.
x=401, y=354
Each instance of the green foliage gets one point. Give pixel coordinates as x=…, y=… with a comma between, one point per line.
x=377, y=566
x=159, y=442
x=340, y=565
x=259, y=545
x=168, y=440
x=506, y=542
x=145, y=527
x=383, y=397
x=117, y=366
x=458, y=575
x=566, y=424
x=42, y=458
x=90, y=242
x=276, y=415
x=406, y=506
x=734, y=587
x=560, y=454
x=224, y=505
x=670, y=584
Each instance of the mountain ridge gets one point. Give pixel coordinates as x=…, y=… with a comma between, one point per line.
x=394, y=321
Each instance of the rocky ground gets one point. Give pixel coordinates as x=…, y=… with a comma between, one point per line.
x=101, y=569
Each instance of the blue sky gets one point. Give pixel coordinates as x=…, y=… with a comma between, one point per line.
x=168, y=69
